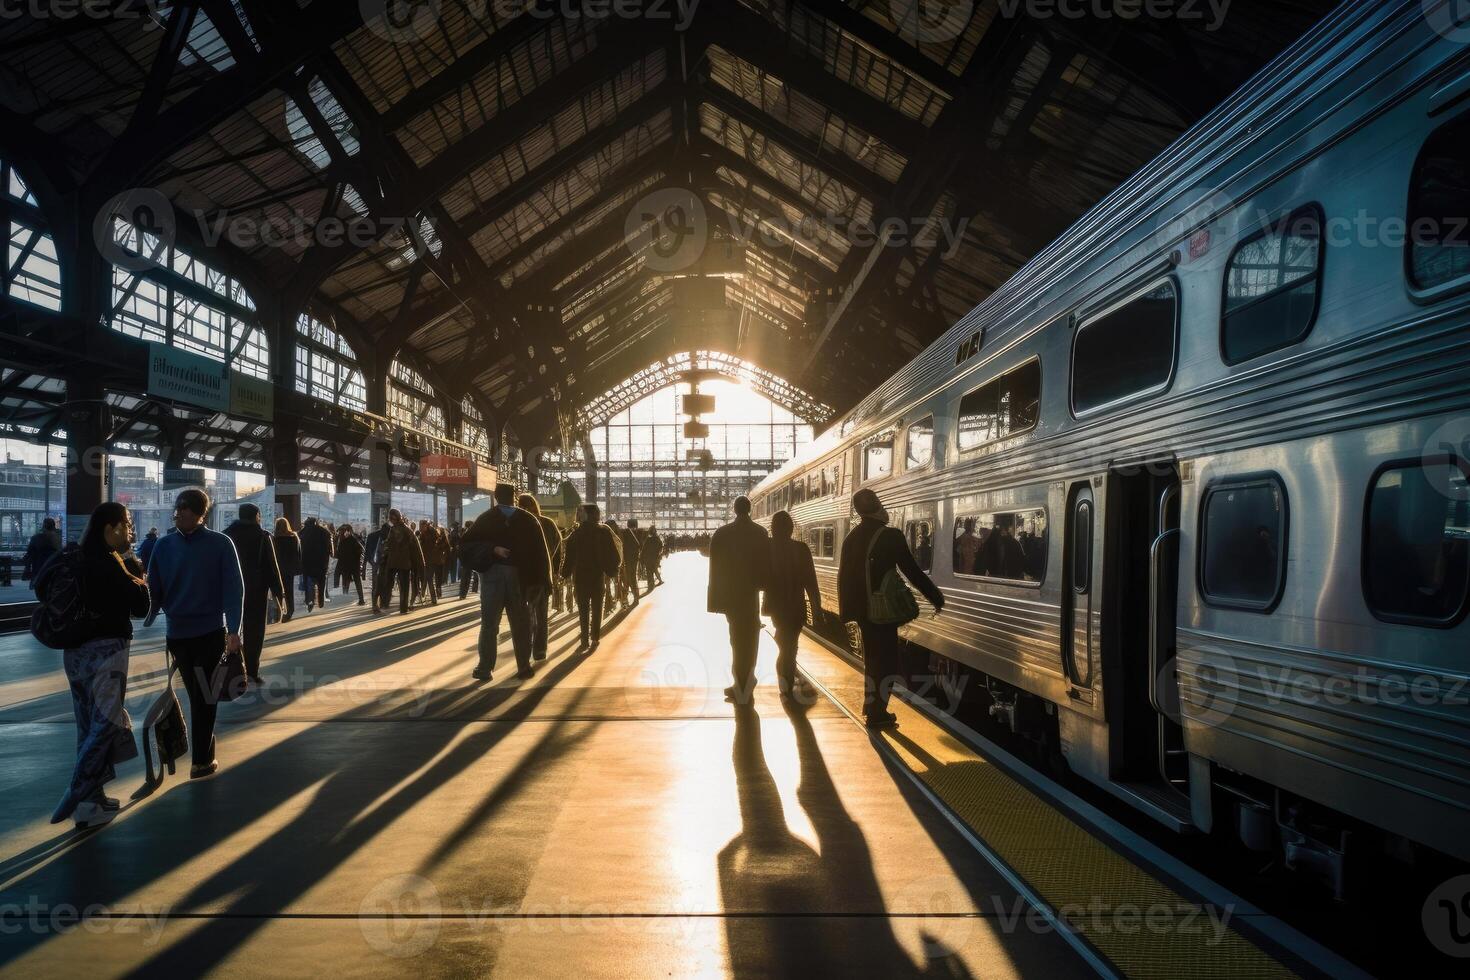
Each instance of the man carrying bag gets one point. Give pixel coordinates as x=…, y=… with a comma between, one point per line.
x=871, y=595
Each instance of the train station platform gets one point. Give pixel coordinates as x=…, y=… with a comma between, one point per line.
x=378, y=812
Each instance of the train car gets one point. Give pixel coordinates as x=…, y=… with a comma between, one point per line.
x=1194, y=480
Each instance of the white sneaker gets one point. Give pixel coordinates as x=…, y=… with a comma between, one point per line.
x=93, y=815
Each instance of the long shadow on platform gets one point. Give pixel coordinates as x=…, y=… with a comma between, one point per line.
x=792, y=910
x=103, y=868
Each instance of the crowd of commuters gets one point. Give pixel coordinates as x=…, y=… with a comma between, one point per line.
x=219, y=592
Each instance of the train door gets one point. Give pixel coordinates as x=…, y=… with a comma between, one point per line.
x=1140, y=686
x=1079, y=637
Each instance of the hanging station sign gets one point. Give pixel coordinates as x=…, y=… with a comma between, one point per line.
x=252, y=398
x=179, y=375
x=446, y=471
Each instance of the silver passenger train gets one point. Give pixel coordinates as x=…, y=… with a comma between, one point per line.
x=1194, y=480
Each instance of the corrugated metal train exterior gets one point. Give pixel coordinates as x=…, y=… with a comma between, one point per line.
x=1240, y=709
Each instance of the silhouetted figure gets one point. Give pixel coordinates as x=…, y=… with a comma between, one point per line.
x=590, y=551
x=350, y=561
x=652, y=557
x=521, y=567
x=739, y=567
x=288, y=559
x=316, y=556
x=402, y=557
x=539, y=599
x=44, y=545
x=869, y=552
x=632, y=555
x=262, y=576
x=793, y=581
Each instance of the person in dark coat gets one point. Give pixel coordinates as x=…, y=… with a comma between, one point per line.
x=613, y=590
x=632, y=549
x=372, y=555
x=145, y=549
x=857, y=574
x=288, y=559
x=402, y=558
x=316, y=556
x=651, y=557
x=540, y=601
x=44, y=545
x=793, y=581
x=349, y=561
x=739, y=568
x=116, y=592
x=262, y=575
x=521, y=567
x=590, y=551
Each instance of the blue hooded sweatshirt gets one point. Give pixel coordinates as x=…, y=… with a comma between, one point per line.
x=195, y=579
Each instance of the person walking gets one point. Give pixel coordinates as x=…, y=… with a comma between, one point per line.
x=402, y=557
x=520, y=567
x=195, y=579
x=632, y=552
x=591, y=550
x=349, y=561
x=427, y=584
x=652, y=557
x=540, y=600
x=261, y=573
x=44, y=545
x=454, y=535
x=869, y=552
x=739, y=567
x=288, y=560
x=316, y=556
x=793, y=581
x=372, y=552
x=114, y=591
x=614, y=588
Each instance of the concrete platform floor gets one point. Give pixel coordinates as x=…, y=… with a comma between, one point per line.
x=379, y=813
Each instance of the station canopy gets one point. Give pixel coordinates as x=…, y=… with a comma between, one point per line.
x=561, y=194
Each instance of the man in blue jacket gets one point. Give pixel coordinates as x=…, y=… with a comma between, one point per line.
x=194, y=578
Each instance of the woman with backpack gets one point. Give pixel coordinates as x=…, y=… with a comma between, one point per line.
x=113, y=591
x=288, y=556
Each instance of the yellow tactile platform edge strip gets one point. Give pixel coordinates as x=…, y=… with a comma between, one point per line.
x=1102, y=895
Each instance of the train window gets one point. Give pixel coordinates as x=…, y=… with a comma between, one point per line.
x=1243, y=558
x=1008, y=546
x=1271, y=288
x=1439, y=201
x=920, y=535
x=821, y=540
x=1416, y=552
x=919, y=445
x=1128, y=352
x=1006, y=406
x=878, y=458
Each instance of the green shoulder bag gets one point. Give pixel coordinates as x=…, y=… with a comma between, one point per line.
x=892, y=604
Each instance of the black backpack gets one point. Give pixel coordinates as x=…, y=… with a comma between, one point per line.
x=62, y=620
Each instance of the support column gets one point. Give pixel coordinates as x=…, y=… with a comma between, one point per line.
x=88, y=423
x=380, y=480
x=589, y=461
x=453, y=505
x=283, y=465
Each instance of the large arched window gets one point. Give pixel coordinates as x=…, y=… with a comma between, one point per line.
x=32, y=272
x=472, y=427
x=413, y=402
x=326, y=365
x=648, y=469
x=177, y=299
